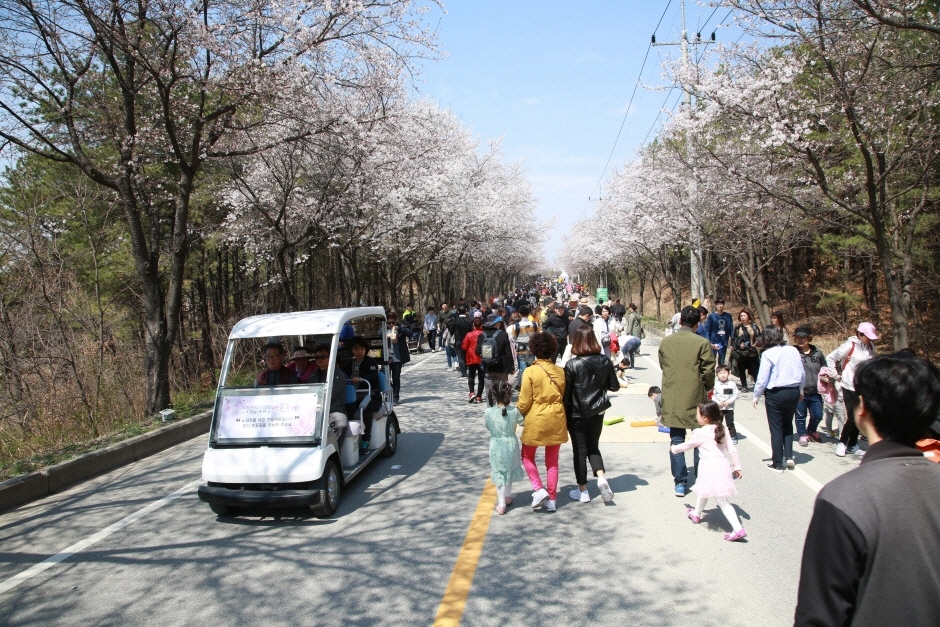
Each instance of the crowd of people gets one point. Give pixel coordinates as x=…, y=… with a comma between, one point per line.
x=875, y=524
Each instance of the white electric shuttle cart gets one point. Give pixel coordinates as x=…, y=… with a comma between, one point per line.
x=275, y=446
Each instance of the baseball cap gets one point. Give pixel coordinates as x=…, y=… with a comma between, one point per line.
x=868, y=329
x=804, y=330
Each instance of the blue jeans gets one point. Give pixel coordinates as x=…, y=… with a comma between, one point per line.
x=813, y=404
x=451, y=356
x=720, y=355
x=523, y=361
x=680, y=472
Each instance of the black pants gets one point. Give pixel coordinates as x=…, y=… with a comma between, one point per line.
x=461, y=360
x=781, y=405
x=849, y=435
x=431, y=335
x=728, y=415
x=745, y=365
x=585, y=435
x=396, y=378
x=475, y=371
x=562, y=344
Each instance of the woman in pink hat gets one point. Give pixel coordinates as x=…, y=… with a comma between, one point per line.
x=845, y=360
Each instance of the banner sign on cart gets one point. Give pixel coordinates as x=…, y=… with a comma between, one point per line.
x=268, y=416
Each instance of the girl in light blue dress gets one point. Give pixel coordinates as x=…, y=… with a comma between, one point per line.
x=505, y=449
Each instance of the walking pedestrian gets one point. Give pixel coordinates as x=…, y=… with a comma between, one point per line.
x=460, y=325
x=744, y=352
x=474, y=362
x=720, y=326
x=845, y=360
x=430, y=328
x=715, y=476
x=505, y=449
x=726, y=393
x=781, y=377
x=556, y=324
x=399, y=355
x=776, y=319
x=541, y=401
x=606, y=330
x=589, y=375
x=812, y=402
x=688, y=365
x=495, y=350
x=583, y=318
x=872, y=551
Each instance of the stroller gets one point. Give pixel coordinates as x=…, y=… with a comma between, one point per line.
x=416, y=327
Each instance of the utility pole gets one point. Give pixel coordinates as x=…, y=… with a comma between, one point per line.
x=698, y=278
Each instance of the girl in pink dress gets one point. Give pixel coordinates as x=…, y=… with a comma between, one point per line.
x=715, y=476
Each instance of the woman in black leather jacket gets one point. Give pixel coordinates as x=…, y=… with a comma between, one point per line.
x=589, y=375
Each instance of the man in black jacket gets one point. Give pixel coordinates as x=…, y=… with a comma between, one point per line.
x=459, y=326
x=872, y=551
x=501, y=365
x=557, y=325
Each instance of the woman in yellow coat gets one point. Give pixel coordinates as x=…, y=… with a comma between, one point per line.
x=541, y=401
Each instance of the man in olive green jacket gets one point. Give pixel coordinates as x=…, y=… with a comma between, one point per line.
x=688, y=364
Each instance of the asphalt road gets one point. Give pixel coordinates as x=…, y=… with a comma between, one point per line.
x=388, y=554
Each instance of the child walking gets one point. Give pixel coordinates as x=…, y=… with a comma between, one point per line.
x=715, y=475
x=505, y=449
x=726, y=393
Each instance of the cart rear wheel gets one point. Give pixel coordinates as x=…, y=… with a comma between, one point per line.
x=391, y=437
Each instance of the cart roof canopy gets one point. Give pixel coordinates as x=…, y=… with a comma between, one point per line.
x=320, y=322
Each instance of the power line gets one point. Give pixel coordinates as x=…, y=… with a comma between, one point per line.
x=627, y=112
x=658, y=115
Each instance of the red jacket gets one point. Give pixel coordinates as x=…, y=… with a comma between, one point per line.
x=469, y=346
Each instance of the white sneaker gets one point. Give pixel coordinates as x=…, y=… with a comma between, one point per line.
x=840, y=449
x=606, y=493
x=539, y=497
x=578, y=495
x=859, y=452
x=790, y=463
x=550, y=506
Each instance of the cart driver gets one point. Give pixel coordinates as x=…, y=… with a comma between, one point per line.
x=364, y=368
x=338, y=421
x=276, y=373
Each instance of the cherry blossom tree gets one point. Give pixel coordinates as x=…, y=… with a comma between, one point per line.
x=139, y=97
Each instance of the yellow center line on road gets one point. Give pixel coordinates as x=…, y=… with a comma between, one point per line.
x=450, y=611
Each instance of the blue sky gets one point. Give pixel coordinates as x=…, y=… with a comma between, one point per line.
x=553, y=79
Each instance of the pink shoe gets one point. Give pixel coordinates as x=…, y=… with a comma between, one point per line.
x=500, y=509
x=695, y=519
x=735, y=535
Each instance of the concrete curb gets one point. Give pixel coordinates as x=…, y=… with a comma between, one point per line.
x=36, y=485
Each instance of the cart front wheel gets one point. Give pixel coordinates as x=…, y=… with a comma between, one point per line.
x=329, y=492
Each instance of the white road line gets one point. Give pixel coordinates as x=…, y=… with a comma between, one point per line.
x=31, y=572
x=799, y=473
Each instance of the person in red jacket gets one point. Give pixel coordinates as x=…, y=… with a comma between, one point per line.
x=474, y=361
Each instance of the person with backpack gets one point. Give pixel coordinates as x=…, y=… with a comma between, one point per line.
x=844, y=360
x=744, y=353
x=495, y=351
